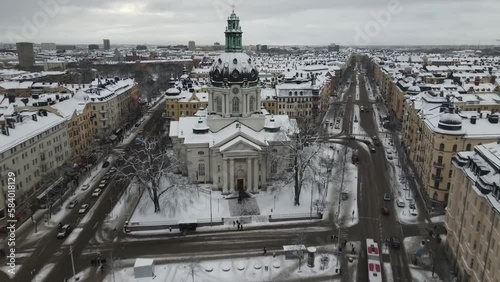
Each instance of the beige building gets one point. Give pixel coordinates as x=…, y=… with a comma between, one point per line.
x=33, y=144
x=433, y=132
x=184, y=99
x=473, y=214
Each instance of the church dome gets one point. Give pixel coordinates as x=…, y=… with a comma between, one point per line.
x=235, y=67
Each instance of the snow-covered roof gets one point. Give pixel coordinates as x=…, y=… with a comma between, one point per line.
x=28, y=129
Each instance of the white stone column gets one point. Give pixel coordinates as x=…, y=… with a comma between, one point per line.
x=249, y=175
x=224, y=176
x=256, y=173
x=231, y=175
x=244, y=98
x=228, y=110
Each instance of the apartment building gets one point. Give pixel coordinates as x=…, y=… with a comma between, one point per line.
x=32, y=145
x=434, y=130
x=185, y=97
x=473, y=214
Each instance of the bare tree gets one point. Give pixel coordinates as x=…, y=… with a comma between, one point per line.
x=148, y=165
x=300, y=147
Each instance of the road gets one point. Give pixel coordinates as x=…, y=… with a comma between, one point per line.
x=373, y=183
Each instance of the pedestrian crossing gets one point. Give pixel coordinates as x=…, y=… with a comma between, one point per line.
x=343, y=234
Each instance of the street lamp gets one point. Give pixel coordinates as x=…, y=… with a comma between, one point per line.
x=210, y=193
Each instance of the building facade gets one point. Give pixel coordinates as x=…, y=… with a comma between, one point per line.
x=107, y=44
x=26, y=55
x=230, y=145
x=33, y=145
x=473, y=214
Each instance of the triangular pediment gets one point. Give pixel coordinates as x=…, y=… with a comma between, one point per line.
x=240, y=144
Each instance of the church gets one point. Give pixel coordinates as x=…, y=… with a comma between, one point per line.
x=234, y=144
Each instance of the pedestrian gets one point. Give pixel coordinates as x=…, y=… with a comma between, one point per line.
x=170, y=228
x=234, y=223
x=102, y=268
x=352, y=251
x=265, y=251
x=241, y=226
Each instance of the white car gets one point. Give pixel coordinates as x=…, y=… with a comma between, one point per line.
x=400, y=203
x=96, y=193
x=85, y=187
x=103, y=184
x=72, y=204
x=83, y=208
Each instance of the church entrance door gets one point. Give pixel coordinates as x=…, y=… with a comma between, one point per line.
x=240, y=185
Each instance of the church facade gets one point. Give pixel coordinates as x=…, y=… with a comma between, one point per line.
x=234, y=144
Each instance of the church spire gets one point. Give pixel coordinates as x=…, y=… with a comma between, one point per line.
x=233, y=34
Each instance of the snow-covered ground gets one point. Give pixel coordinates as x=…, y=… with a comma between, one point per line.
x=190, y=203
x=388, y=272
x=415, y=250
x=260, y=268
x=42, y=274
x=349, y=207
x=356, y=126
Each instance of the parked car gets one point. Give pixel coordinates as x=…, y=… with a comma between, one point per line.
x=361, y=109
x=395, y=242
x=387, y=197
x=385, y=211
x=96, y=193
x=105, y=164
x=413, y=212
x=64, y=231
x=388, y=153
x=412, y=205
x=400, y=203
x=85, y=187
x=113, y=169
x=72, y=204
x=372, y=149
x=103, y=184
x=83, y=208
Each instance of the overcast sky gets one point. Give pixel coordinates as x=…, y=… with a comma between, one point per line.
x=273, y=22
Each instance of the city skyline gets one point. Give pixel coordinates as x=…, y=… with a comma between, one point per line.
x=358, y=22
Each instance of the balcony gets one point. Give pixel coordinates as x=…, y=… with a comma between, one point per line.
x=438, y=165
x=437, y=177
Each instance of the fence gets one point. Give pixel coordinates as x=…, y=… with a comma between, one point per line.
x=297, y=216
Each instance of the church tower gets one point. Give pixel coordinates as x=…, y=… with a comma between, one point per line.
x=234, y=89
x=233, y=34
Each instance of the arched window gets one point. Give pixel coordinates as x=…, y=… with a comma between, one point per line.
x=468, y=147
x=201, y=169
x=441, y=147
x=218, y=102
x=454, y=148
x=435, y=196
x=274, y=167
x=252, y=104
x=236, y=105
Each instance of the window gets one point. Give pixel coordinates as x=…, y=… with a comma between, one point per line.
x=274, y=167
x=218, y=169
x=218, y=102
x=468, y=147
x=252, y=104
x=236, y=105
x=478, y=225
x=441, y=147
x=201, y=169
x=454, y=148
x=201, y=153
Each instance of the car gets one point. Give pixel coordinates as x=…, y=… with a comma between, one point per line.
x=385, y=211
x=64, y=231
x=113, y=169
x=103, y=184
x=400, y=203
x=372, y=149
x=105, y=164
x=72, y=204
x=85, y=187
x=83, y=208
x=361, y=109
x=413, y=212
x=388, y=153
x=96, y=193
x=387, y=197
x=395, y=242
x=367, y=109
x=106, y=177
x=412, y=205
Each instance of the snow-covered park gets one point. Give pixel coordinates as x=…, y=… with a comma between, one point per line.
x=187, y=202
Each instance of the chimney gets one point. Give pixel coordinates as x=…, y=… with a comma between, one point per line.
x=473, y=119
